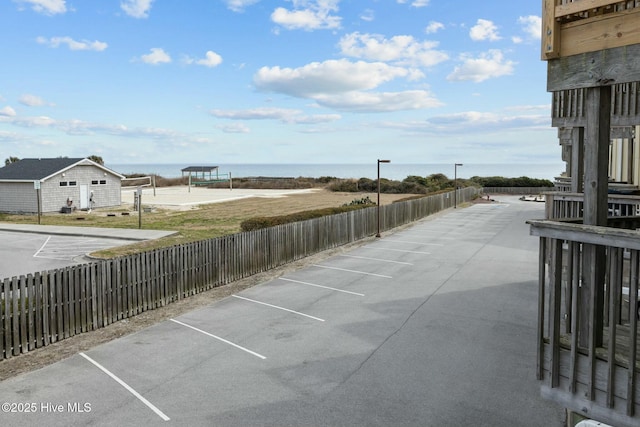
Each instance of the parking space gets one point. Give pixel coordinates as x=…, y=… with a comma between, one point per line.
x=416, y=328
x=30, y=248
x=24, y=253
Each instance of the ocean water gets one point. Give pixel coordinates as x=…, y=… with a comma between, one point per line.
x=394, y=171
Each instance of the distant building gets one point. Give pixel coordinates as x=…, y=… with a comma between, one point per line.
x=65, y=184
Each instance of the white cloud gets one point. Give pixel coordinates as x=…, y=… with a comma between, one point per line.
x=285, y=115
x=400, y=49
x=368, y=15
x=136, y=8
x=332, y=76
x=484, y=30
x=33, y=101
x=7, y=112
x=531, y=26
x=158, y=137
x=416, y=3
x=157, y=56
x=239, y=5
x=343, y=85
x=263, y=113
x=357, y=101
x=73, y=44
x=475, y=121
x=48, y=7
x=433, y=27
x=234, y=128
x=315, y=119
x=420, y=3
x=308, y=15
x=211, y=59
x=34, y=122
x=488, y=65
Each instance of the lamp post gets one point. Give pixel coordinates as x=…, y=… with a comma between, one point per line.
x=380, y=161
x=455, y=184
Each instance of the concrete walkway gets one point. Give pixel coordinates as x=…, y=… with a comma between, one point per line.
x=110, y=233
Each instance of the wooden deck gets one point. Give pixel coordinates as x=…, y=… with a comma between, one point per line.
x=622, y=349
x=589, y=343
x=587, y=333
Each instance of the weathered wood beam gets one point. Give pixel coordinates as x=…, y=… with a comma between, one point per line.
x=577, y=160
x=596, y=155
x=589, y=409
x=606, y=31
x=550, y=47
x=596, y=235
x=596, y=179
x=593, y=69
x=616, y=122
x=623, y=132
x=581, y=6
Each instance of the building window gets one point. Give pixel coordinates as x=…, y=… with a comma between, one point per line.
x=72, y=183
x=94, y=182
x=63, y=183
x=103, y=182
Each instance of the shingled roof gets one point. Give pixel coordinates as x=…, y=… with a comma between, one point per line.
x=39, y=169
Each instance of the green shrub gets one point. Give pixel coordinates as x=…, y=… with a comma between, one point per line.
x=500, y=181
x=363, y=201
x=264, y=222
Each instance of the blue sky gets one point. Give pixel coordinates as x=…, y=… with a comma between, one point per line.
x=282, y=81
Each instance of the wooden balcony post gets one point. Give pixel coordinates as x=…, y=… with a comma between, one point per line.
x=596, y=168
x=577, y=160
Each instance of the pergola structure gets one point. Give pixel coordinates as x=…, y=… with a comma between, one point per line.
x=201, y=172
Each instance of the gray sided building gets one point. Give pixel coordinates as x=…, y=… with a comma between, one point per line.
x=65, y=184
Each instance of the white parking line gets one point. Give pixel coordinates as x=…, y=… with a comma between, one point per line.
x=127, y=387
x=219, y=339
x=376, y=259
x=414, y=243
x=42, y=247
x=323, y=287
x=279, y=308
x=396, y=250
x=352, y=271
x=441, y=237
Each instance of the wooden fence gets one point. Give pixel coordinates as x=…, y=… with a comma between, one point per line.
x=45, y=307
x=517, y=190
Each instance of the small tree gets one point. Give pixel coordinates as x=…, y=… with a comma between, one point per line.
x=10, y=160
x=96, y=159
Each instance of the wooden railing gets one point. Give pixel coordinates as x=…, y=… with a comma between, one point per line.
x=569, y=107
x=516, y=190
x=562, y=184
x=571, y=27
x=42, y=308
x=565, y=205
x=588, y=343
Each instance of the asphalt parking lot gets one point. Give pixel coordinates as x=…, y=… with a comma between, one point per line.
x=26, y=249
x=24, y=253
x=433, y=325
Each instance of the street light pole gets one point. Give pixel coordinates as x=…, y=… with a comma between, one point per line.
x=455, y=184
x=380, y=161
